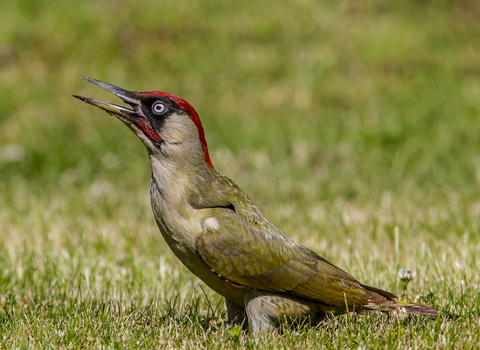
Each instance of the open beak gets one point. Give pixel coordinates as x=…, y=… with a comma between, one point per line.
x=129, y=97
x=133, y=118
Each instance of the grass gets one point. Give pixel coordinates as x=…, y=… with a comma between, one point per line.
x=345, y=122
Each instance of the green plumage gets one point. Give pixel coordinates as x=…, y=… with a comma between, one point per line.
x=219, y=234
x=250, y=252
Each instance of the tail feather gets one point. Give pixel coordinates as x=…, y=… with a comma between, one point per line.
x=404, y=307
x=386, y=301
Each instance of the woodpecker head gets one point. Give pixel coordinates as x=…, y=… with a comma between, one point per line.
x=167, y=124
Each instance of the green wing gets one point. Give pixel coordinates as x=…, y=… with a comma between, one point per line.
x=263, y=258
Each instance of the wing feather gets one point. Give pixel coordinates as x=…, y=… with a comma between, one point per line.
x=266, y=259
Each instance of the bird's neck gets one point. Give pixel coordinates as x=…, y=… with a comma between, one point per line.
x=177, y=176
x=171, y=192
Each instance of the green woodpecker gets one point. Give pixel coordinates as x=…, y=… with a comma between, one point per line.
x=216, y=231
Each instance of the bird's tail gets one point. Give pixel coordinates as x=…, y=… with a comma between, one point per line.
x=404, y=307
x=386, y=301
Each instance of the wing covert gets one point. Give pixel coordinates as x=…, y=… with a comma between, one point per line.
x=266, y=259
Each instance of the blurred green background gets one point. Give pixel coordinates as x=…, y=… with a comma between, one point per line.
x=342, y=120
x=376, y=95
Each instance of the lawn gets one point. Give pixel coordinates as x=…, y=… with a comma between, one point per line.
x=353, y=125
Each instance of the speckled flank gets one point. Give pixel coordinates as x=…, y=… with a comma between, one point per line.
x=264, y=310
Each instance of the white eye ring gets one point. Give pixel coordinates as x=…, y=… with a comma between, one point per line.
x=159, y=107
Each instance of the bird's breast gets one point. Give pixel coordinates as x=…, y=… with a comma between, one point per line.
x=180, y=225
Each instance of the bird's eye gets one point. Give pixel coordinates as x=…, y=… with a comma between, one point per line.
x=159, y=107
